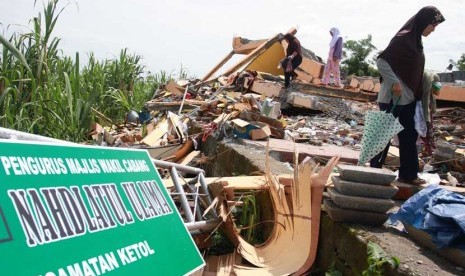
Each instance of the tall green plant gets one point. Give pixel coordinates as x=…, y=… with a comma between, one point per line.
x=14, y=51
x=37, y=78
x=249, y=218
x=44, y=92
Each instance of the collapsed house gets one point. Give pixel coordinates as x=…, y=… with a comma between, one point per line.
x=246, y=102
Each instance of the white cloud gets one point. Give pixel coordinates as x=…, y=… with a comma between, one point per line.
x=197, y=34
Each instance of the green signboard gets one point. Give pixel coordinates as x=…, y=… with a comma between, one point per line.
x=74, y=210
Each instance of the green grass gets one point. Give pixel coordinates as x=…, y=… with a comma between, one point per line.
x=45, y=92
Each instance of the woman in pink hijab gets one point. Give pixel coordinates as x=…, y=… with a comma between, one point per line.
x=334, y=57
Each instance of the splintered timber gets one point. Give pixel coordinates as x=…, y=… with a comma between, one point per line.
x=54, y=213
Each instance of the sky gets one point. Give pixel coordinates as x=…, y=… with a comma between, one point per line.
x=196, y=35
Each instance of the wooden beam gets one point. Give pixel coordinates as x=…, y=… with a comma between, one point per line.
x=244, y=46
x=156, y=105
x=218, y=66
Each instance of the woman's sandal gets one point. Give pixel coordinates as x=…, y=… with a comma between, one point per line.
x=417, y=181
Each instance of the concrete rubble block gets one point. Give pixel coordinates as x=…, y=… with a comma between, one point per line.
x=311, y=67
x=446, y=127
x=367, y=85
x=316, y=81
x=354, y=83
x=360, y=203
x=446, y=147
x=366, y=175
x=266, y=88
x=376, y=88
x=302, y=100
x=338, y=214
x=444, y=151
x=362, y=189
x=304, y=76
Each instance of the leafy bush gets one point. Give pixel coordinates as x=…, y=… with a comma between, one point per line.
x=377, y=259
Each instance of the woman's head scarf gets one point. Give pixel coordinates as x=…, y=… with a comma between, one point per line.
x=405, y=51
x=336, y=34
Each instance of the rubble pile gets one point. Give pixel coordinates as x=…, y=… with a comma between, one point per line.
x=249, y=102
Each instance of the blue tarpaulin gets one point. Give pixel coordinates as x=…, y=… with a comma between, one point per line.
x=437, y=211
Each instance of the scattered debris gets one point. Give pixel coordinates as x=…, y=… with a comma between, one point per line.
x=249, y=102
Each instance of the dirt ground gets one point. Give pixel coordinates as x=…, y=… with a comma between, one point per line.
x=414, y=258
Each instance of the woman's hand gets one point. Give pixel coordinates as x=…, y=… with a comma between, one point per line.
x=435, y=92
x=396, y=89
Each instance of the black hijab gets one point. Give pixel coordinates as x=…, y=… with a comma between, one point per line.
x=405, y=51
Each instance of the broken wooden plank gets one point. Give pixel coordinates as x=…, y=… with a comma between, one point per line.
x=153, y=138
x=276, y=126
x=173, y=126
x=218, y=66
x=242, y=106
x=160, y=106
x=252, y=55
x=174, y=88
x=162, y=152
x=245, y=46
x=222, y=118
x=186, y=160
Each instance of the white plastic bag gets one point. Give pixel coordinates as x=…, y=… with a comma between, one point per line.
x=420, y=122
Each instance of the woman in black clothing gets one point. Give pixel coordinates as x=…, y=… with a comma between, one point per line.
x=401, y=66
x=293, y=56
